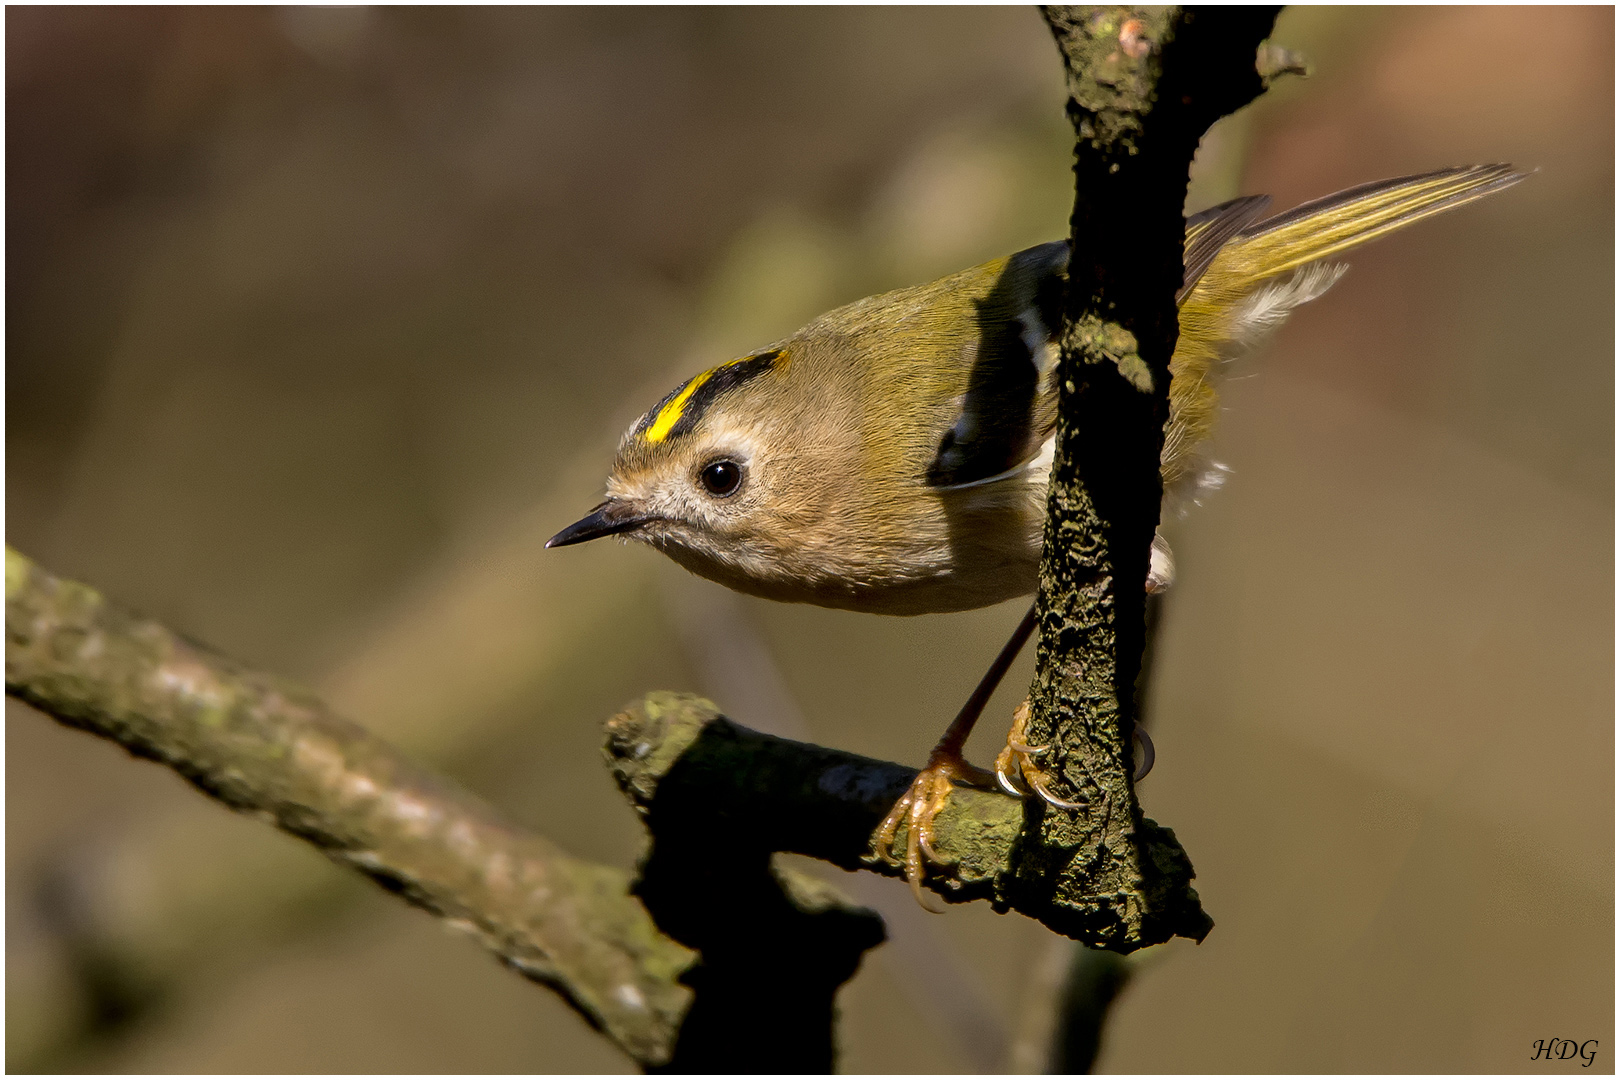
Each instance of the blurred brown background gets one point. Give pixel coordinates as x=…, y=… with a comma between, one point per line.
x=319, y=321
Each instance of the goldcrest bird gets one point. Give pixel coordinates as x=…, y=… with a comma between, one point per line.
x=893, y=455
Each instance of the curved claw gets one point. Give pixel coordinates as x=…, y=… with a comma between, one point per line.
x=1148, y=754
x=1006, y=783
x=922, y=897
x=928, y=849
x=914, y=850
x=1040, y=789
x=1016, y=773
x=917, y=808
x=883, y=839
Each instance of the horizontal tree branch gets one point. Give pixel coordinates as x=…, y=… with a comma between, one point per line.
x=678, y=759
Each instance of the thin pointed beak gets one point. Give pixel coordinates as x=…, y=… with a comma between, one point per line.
x=608, y=519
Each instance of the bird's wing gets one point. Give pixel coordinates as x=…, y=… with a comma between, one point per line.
x=1010, y=405
x=1230, y=289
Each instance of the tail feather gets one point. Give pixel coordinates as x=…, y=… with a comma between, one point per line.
x=1241, y=293
x=1325, y=227
x=1210, y=231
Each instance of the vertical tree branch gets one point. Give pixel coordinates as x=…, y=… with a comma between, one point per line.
x=1144, y=85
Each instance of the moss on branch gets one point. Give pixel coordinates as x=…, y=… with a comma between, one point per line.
x=680, y=761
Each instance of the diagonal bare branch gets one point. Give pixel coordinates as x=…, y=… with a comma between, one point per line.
x=268, y=748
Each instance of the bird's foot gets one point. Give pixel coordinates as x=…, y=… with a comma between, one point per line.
x=1016, y=770
x=1017, y=774
x=917, y=808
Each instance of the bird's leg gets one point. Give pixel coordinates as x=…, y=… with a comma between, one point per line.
x=1016, y=770
x=946, y=767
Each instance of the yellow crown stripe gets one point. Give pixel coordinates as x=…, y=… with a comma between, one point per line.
x=670, y=414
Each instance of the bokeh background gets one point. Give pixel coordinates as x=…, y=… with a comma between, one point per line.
x=319, y=321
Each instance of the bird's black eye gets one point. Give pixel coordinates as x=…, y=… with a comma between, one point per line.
x=721, y=478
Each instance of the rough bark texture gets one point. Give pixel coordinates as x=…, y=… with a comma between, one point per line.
x=680, y=761
x=690, y=770
x=272, y=750
x=1144, y=85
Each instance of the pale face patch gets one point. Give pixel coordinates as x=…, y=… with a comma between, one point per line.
x=671, y=489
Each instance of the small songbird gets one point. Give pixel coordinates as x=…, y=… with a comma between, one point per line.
x=893, y=455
